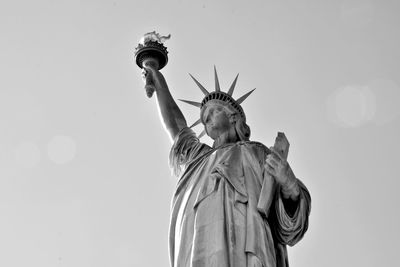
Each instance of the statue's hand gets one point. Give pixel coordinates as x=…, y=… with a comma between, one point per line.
x=277, y=167
x=153, y=78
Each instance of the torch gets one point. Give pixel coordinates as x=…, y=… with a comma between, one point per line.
x=151, y=52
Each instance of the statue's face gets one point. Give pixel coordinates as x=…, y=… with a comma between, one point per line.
x=216, y=121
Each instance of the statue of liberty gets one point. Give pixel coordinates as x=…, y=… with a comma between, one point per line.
x=237, y=203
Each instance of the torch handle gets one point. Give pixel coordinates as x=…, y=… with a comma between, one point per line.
x=149, y=85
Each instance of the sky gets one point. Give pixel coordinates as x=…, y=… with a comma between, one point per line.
x=84, y=175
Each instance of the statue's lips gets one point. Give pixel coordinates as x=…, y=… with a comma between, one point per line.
x=211, y=126
x=212, y=129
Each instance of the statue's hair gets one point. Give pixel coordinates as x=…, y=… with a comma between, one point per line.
x=242, y=130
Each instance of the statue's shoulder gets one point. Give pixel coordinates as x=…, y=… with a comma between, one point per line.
x=255, y=145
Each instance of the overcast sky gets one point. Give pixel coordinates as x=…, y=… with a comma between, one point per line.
x=84, y=176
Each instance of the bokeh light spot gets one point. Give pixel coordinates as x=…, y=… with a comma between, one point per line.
x=61, y=149
x=352, y=106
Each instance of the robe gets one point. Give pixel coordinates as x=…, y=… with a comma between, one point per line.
x=225, y=213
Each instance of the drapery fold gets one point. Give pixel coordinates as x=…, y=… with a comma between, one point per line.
x=215, y=216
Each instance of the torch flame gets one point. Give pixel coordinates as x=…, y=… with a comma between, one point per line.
x=153, y=36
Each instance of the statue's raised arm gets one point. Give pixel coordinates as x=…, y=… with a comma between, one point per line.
x=171, y=116
x=151, y=56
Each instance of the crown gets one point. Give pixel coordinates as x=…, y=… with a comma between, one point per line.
x=218, y=97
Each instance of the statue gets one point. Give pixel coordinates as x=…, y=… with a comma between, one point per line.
x=237, y=203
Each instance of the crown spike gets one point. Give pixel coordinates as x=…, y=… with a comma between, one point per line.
x=242, y=98
x=217, y=87
x=195, y=123
x=196, y=104
x=232, y=88
x=202, y=134
x=204, y=90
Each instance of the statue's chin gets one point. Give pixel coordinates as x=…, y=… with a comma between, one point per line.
x=225, y=138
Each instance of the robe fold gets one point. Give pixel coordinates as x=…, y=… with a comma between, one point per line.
x=216, y=219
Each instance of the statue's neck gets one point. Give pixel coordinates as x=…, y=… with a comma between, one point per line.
x=226, y=138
